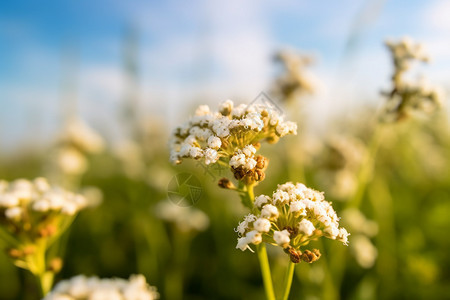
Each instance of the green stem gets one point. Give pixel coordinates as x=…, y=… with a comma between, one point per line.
x=248, y=198
x=247, y=195
x=288, y=280
x=37, y=265
x=265, y=270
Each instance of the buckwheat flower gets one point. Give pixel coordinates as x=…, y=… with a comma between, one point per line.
x=34, y=210
x=235, y=133
x=214, y=142
x=249, y=150
x=269, y=211
x=261, y=200
x=243, y=244
x=93, y=288
x=8, y=200
x=14, y=213
x=291, y=218
x=211, y=156
x=298, y=208
x=226, y=107
x=33, y=214
x=195, y=152
x=282, y=238
x=307, y=227
x=262, y=225
x=254, y=237
x=280, y=197
x=238, y=160
x=406, y=97
x=295, y=80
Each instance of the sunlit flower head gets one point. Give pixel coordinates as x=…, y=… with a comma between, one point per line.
x=31, y=211
x=291, y=218
x=406, y=51
x=407, y=97
x=295, y=80
x=230, y=136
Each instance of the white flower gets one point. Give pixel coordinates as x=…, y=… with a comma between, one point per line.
x=226, y=107
x=14, y=213
x=202, y=110
x=22, y=197
x=71, y=161
x=293, y=217
x=261, y=200
x=298, y=207
x=269, y=211
x=306, y=227
x=282, y=129
x=41, y=184
x=332, y=231
x=254, y=237
x=237, y=160
x=239, y=110
x=363, y=249
x=214, y=142
x=41, y=205
x=280, y=197
x=78, y=133
x=249, y=150
x=242, y=244
x=211, y=156
x=93, y=288
x=195, y=152
x=229, y=131
x=262, y=225
x=8, y=200
x=69, y=208
x=250, y=164
x=282, y=238
x=343, y=236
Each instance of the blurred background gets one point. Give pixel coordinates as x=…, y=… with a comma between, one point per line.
x=90, y=91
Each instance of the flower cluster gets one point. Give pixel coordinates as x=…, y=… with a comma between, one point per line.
x=291, y=218
x=363, y=230
x=80, y=135
x=339, y=160
x=247, y=166
x=230, y=135
x=30, y=210
x=406, y=51
x=77, y=140
x=407, y=97
x=295, y=80
x=94, y=288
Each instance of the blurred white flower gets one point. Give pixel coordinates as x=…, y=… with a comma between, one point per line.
x=364, y=251
x=92, y=288
x=71, y=161
x=83, y=137
x=186, y=219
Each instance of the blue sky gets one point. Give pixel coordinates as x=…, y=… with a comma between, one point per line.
x=195, y=50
